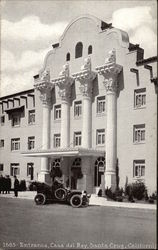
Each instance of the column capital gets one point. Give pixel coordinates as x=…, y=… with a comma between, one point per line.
x=110, y=71
x=85, y=77
x=64, y=82
x=44, y=85
x=110, y=84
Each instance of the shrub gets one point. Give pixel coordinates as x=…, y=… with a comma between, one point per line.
x=110, y=194
x=136, y=190
x=154, y=196
x=22, y=185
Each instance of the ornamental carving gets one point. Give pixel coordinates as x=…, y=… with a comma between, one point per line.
x=44, y=85
x=86, y=88
x=64, y=82
x=85, y=77
x=110, y=84
x=110, y=71
x=65, y=90
x=87, y=64
x=65, y=71
x=111, y=56
x=46, y=96
x=45, y=76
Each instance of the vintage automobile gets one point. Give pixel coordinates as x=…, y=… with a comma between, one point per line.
x=58, y=193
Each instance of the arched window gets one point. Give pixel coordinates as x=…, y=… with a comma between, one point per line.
x=99, y=171
x=56, y=169
x=56, y=163
x=90, y=49
x=78, y=50
x=77, y=162
x=68, y=57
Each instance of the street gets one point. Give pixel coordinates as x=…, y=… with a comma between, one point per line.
x=25, y=225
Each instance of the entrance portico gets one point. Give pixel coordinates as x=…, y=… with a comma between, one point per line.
x=67, y=157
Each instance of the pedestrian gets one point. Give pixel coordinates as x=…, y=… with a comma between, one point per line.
x=5, y=184
x=1, y=183
x=8, y=184
x=16, y=186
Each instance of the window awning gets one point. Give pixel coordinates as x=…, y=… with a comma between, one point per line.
x=65, y=152
x=14, y=109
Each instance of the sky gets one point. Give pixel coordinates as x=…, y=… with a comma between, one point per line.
x=30, y=27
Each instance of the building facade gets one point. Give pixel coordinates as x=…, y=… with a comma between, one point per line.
x=92, y=113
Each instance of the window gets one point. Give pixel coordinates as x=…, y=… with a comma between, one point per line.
x=2, y=120
x=16, y=120
x=57, y=112
x=14, y=169
x=101, y=104
x=68, y=57
x=31, y=117
x=90, y=49
x=1, y=167
x=31, y=142
x=57, y=140
x=30, y=170
x=56, y=163
x=100, y=137
x=139, y=133
x=77, y=108
x=78, y=50
x=139, y=168
x=1, y=143
x=77, y=138
x=15, y=144
x=140, y=98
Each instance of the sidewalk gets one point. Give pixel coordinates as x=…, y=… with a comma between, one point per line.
x=94, y=200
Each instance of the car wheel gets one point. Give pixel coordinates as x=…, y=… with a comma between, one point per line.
x=76, y=200
x=60, y=194
x=40, y=199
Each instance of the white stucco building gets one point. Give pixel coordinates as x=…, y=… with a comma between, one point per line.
x=95, y=101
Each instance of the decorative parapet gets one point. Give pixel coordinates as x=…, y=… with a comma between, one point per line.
x=110, y=71
x=85, y=77
x=64, y=82
x=44, y=85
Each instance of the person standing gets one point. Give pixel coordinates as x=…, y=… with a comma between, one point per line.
x=8, y=183
x=1, y=183
x=16, y=186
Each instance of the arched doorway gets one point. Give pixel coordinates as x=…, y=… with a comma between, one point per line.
x=76, y=172
x=99, y=170
x=56, y=169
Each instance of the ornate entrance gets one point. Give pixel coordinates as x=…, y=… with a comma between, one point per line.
x=56, y=169
x=99, y=170
x=76, y=172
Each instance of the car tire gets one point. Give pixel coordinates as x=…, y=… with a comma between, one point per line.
x=60, y=194
x=76, y=200
x=40, y=199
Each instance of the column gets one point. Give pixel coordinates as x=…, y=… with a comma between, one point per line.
x=110, y=71
x=65, y=124
x=44, y=86
x=111, y=133
x=64, y=82
x=86, y=77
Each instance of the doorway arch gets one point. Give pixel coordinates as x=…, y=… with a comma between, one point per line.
x=99, y=170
